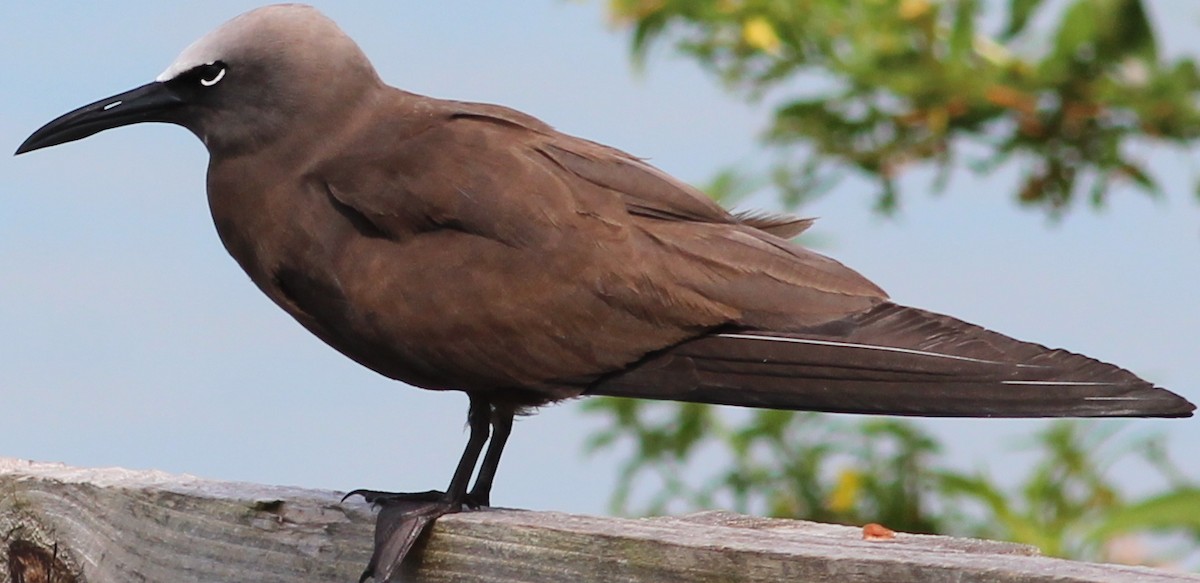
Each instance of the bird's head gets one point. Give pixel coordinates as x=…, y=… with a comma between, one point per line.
x=242, y=86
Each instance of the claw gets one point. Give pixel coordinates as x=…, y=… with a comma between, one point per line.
x=378, y=497
x=475, y=501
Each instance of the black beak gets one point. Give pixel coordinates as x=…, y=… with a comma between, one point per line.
x=150, y=102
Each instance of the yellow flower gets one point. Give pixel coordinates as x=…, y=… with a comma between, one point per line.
x=845, y=494
x=914, y=9
x=758, y=33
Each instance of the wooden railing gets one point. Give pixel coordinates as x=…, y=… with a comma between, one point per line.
x=60, y=524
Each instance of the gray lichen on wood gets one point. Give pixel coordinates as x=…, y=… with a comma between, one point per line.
x=66, y=525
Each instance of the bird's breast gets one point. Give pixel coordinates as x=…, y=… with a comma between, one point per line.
x=318, y=267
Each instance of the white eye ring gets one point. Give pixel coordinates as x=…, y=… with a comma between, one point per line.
x=214, y=80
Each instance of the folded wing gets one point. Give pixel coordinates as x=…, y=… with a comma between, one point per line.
x=893, y=360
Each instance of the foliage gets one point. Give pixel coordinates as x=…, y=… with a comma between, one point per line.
x=1068, y=505
x=875, y=469
x=886, y=85
x=1067, y=92
x=784, y=464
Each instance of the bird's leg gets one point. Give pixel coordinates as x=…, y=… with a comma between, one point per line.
x=403, y=517
x=478, y=420
x=502, y=421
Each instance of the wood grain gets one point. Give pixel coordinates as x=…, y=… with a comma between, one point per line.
x=60, y=524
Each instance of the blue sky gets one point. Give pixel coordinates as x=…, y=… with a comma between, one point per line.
x=129, y=338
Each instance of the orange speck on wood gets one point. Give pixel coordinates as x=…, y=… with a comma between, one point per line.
x=875, y=531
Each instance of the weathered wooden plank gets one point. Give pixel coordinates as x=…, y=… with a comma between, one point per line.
x=118, y=526
x=115, y=525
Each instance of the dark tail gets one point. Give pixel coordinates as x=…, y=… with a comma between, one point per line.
x=893, y=360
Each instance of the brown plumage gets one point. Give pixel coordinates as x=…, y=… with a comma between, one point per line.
x=470, y=247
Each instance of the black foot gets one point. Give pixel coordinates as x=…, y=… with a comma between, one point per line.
x=472, y=500
x=379, y=498
x=403, y=517
x=475, y=500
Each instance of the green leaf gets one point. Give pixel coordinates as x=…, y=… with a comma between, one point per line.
x=1140, y=177
x=1019, y=14
x=1128, y=30
x=962, y=32
x=1177, y=510
x=1076, y=31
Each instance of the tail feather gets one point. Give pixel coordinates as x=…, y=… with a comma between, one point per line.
x=893, y=360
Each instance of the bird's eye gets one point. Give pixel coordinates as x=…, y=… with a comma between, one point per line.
x=211, y=74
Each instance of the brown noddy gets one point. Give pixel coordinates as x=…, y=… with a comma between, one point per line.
x=471, y=247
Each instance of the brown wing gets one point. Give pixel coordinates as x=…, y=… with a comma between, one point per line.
x=893, y=360
x=509, y=255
